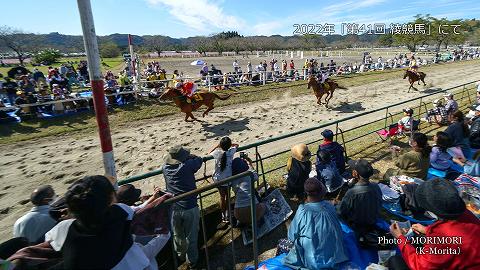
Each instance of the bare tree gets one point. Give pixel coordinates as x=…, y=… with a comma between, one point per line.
x=17, y=41
x=158, y=43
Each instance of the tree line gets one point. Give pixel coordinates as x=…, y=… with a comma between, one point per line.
x=440, y=35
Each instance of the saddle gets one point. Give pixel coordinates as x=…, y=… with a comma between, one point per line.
x=194, y=99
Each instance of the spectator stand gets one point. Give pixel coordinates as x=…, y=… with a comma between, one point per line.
x=356, y=140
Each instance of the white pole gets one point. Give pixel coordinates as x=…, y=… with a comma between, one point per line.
x=291, y=54
x=301, y=55
x=93, y=61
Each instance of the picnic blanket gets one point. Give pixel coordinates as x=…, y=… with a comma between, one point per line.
x=359, y=258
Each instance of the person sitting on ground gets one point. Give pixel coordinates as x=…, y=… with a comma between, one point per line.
x=360, y=207
x=335, y=150
x=451, y=106
x=474, y=137
x=406, y=122
x=438, y=114
x=439, y=158
x=315, y=232
x=328, y=174
x=470, y=167
x=179, y=174
x=98, y=236
x=440, y=198
x=38, y=221
x=414, y=163
x=242, y=189
x=223, y=154
x=299, y=167
x=459, y=132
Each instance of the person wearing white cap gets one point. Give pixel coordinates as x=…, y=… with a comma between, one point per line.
x=452, y=105
x=438, y=114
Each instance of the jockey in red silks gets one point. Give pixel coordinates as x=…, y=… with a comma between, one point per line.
x=188, y=89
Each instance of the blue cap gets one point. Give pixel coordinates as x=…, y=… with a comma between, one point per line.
x=327, y=134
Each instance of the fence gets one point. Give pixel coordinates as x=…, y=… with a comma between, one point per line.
x=362, y=128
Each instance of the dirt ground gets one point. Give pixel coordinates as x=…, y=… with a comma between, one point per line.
x=140, y=147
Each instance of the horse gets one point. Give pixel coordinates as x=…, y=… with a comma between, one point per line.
x=180, y=100
x=319, y=90
x=413, y=77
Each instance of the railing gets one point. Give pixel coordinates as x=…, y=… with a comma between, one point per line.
x=213, y=186
x=349, y=141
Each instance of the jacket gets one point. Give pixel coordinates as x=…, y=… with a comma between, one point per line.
x=336, y=151
x=466, y=229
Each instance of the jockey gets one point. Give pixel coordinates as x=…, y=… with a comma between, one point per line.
x=413, y=65
x=188, y=89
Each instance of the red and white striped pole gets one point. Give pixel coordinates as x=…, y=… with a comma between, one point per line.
x=96, y=81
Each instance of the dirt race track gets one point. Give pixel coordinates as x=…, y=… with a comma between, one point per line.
x=139, y=147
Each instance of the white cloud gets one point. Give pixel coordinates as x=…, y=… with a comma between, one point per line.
x=350, y=5
x=267, y=28
x=201, y=15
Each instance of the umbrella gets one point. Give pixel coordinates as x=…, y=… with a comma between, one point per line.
x=16, y=71
x=197, y=62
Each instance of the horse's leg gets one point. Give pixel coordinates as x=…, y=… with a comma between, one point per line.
x=210, y=107
x=326, y=98
x=424, y=84
x=331, y=95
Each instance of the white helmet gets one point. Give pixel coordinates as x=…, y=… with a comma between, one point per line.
x=178, y=85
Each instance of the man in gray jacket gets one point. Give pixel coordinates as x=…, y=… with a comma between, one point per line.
x=179, y=173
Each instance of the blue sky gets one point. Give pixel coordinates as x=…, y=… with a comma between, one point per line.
x=183, y=18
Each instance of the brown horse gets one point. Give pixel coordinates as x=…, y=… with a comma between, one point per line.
x=187, y=108
x=319, y=90
x=413, y=77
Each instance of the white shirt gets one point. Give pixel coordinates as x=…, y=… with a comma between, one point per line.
x=217, y=155
x=34, y=224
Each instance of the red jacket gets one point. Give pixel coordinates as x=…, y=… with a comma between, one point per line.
x=466, y=228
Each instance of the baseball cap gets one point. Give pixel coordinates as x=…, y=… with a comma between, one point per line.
x=327, y=134
x=448, y=94
x=128, y=194
x=362, y=167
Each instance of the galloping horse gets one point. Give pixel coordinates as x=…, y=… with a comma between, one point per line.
x=413, y=77
x=181, y=101
x=319, y=90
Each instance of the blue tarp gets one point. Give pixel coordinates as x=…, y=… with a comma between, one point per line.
x=359, y=258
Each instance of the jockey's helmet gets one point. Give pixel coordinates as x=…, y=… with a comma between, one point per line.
x=178, y=85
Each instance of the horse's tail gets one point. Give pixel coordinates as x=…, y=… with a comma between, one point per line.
x=222, y=98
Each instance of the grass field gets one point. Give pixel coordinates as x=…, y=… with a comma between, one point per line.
x=126, y=115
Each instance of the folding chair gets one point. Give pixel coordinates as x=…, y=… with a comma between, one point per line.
x=388, y=133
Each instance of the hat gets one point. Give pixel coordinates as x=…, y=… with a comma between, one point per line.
x=300, y=152
x=448, y=94
x=178, y=85
x=20, y=92
x=362, y=167
x=176, y=155
x=440, y=197
x=128, y=194
x=437, y=102
x=239, y=166
x=314, y=187
x=327, y=134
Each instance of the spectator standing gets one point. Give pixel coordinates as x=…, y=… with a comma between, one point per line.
x=179, y=173
x=38, y=221
x=223, y=154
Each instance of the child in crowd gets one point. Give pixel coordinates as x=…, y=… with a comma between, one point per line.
x=223, y=154
x=439, y=158
x=406, y=123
